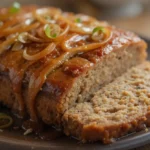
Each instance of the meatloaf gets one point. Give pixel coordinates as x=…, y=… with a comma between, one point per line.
x=120, y=107
x=51, y=61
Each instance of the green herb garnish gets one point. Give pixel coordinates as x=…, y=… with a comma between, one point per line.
x=98, y=29
x=5, y=121
x=15, y=8
x=78, y=20
x=48, y=32
x=54, y=35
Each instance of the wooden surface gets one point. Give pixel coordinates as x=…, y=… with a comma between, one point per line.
x=139, y=24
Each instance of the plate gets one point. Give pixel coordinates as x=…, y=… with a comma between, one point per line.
x=13, y=141
x=16, y=141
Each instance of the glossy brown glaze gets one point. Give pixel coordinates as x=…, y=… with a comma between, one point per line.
x=36, y=74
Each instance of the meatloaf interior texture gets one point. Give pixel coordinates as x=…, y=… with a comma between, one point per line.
x=73, y=90
x=52, y=77
x=120, y=107
x=64, y=90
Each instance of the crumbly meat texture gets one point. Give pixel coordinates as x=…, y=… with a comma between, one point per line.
x=45, y=77
x=77, y=79
x=75, y=82
x=67, y=81
x=65, y=91
x=120, y=107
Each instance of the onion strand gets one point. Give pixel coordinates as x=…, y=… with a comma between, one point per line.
x=5, y=121
x=86, y=47
x=41, y=54
x=19, y=28
x=53, y=64
x=64, y=33
x=6, y=44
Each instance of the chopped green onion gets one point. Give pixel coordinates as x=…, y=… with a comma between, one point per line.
x=78, y=20
x=48, y=31
x=54, y=35
x=15, y=8
x=97, y=29
x=49, y=19
x=5, y=121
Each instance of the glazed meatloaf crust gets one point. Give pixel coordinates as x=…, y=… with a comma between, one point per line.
x=50, y=60
x=120, y=107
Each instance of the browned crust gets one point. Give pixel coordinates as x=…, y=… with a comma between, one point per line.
x=92, y=131
x=58, y=85
x=110, y=133
x=87, y=133
x=107, y=134
x=50, y=101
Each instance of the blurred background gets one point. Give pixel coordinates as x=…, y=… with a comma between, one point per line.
x=128, y=14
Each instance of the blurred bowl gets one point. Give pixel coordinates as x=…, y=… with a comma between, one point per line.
x=116, y=3
x=119, y=8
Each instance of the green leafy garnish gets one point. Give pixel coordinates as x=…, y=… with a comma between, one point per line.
x=48, y=32
x=78, y=20
x=54, y=35
x=15, y=8
x=5, y=121
x=98, y=29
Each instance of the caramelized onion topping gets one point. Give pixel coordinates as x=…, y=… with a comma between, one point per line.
x=51, y=31
x=72, y=34
x=7, y=44
x=85, y=47
x=41, y=54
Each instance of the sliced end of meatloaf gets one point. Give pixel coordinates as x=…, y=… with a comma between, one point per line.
x=48, y=85
x=66, y=89
x=76, y=80
x=120, y=107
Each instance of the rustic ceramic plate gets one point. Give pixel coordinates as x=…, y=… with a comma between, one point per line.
x=16, y=141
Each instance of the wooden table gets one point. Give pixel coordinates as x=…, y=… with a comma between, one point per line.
x=139, y=24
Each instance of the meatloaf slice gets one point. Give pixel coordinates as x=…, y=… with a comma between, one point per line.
x=77, y=79
x=75, y=82
x=45, y=75
x=120, y=107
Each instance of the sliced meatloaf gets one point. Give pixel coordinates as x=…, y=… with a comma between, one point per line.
x=75, y=82
x=120, y=107
x=45, y=74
